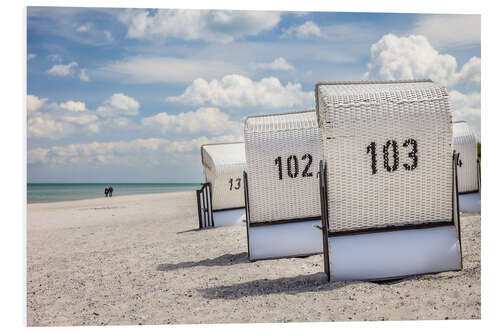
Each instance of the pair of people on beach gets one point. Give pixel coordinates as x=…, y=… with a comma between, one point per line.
x=108, y=191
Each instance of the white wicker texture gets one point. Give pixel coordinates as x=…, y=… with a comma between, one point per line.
x=223, y=166
x=283, y=153
x=464, y=142
x=361, y=124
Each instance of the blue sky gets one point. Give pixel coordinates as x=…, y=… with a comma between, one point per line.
x=122, y=95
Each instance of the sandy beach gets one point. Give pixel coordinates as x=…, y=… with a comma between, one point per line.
x=140, y=259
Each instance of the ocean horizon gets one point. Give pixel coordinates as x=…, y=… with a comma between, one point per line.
x=55, y=192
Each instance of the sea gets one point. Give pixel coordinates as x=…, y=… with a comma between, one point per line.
x=54, y=192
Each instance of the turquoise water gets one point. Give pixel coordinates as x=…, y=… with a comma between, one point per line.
x=66, y=192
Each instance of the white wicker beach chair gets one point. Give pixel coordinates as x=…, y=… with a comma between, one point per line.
x=281, y=185
x=468, y=170
x=221, y=198
x=389, y=201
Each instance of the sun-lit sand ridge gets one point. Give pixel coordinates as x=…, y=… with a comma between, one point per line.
x=140, y=260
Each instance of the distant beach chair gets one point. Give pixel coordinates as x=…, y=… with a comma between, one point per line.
x=469, y=168
x=281, y=185
x=221, y=199
x=388, y=180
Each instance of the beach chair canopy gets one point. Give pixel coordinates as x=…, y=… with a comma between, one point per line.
x=387, y=145
x=283, y=153
x=223, y=166
x=465, y=143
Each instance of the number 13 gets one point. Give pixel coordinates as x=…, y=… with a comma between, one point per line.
x=237, y=181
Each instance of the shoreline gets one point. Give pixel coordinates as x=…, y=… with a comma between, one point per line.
x=106, y=198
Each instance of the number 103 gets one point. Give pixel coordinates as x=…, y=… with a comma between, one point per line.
x=391, y=160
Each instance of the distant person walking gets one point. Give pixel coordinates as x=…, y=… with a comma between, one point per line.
x=106, y=191
x=110, y=191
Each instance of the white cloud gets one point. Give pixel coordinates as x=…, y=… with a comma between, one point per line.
x=119, y=104
x=134, y=152
x=447, y=31
x=70, y=69
x=73, y=106
x=166, y=69
x=31, y=56
x=37, y=155
x=80, y=119
x=209, y=120
x=470, y=72
x=63, y=70
x=467, y=107
x=33, y=103
x=83, y=28
x=413, y=57
x=59, y=120
x=210, y=25
x=240, y=91
x=278, y=64
x=307, y=30
x=44, y=126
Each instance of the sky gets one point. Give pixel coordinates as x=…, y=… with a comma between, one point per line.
x=129, y=95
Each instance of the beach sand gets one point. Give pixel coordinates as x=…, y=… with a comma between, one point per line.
x=139, y=259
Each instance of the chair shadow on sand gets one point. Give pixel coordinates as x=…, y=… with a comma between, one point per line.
x=192, y=230
x=224, y=260
x=295, y=285
x=289, y=285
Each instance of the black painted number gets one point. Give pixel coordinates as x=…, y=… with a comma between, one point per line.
x=277, y=161
x=292, y=164
x=292, y=171
x=234, y=184
x=306, y=172
x=395, y=156
x=390, y=152
x=372, y=149
x=412, y=154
